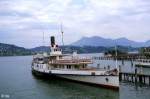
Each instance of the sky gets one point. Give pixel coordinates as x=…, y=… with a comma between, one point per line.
x=23, y=22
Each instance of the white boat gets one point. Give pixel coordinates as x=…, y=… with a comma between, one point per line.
x=73, y=68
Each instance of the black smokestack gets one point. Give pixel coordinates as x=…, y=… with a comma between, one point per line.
x=52, y=41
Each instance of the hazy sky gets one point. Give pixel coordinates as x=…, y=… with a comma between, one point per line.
x=22, y=22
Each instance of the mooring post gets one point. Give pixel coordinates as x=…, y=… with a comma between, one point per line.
x=132, y=78
x=136, y=75
x=140, y=79
x=144, y=79
x=120, y=76
x=127, y=77
x=131, y=63
x=122, y=62
x=149, y=80
x=120, y=68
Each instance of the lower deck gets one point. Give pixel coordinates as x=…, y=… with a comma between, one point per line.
x=84, y=71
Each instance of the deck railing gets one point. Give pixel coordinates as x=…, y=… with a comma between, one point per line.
x=71, y=61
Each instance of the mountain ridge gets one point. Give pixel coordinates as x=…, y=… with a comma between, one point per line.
x=106, y=42
x=13, y=50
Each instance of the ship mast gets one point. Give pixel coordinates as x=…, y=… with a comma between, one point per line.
x=43, y=42
x=62, y=34
x=116, y=56
x=43, y=39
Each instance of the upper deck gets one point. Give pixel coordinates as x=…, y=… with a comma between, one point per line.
x=71, y=61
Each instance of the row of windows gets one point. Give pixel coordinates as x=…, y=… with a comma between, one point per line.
x=57, y=49
x=69, y=66
x=62, y=66
x=39, y=66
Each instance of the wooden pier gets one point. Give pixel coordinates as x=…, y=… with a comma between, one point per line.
x=135, y=78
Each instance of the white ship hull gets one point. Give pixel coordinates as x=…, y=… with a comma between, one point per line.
x=107, y=81
x=101, y=80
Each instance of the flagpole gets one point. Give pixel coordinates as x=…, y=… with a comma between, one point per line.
x=43, y=42
x=62, y=35
x=116, y=57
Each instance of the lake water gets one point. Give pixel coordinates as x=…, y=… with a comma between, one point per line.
x=17, y=82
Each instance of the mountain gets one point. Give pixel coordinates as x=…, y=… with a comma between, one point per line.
x=12, y=50
x=40, y=49
x=127, y=42
x=147, y=42
x=93, y=41
x=99, y=41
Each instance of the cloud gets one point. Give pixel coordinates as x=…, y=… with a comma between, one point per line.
x=28, y=19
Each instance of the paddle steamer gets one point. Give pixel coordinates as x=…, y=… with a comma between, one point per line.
x=73, y=67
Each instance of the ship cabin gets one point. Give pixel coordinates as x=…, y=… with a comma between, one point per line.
x=69, y=63
x=41, y=58
x=62, y=62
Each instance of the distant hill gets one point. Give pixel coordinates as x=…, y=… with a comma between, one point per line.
x=12, y=50
x=70, y=49
x=99, y=41
x=40, y=49
x=85, y=49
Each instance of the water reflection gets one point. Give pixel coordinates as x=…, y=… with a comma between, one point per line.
x=60, y=89
x=134, y=91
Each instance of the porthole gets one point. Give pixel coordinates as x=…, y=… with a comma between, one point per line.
x=106, y=79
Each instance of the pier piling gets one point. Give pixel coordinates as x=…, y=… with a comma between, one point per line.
x=134, y=77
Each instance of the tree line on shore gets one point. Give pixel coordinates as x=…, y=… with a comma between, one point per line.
x=13, y=50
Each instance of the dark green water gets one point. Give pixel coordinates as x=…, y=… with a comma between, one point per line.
x=132, y=91
x=17, y=82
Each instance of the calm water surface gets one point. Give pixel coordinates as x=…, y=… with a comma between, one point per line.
x=17, y=82
x=132, y=91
